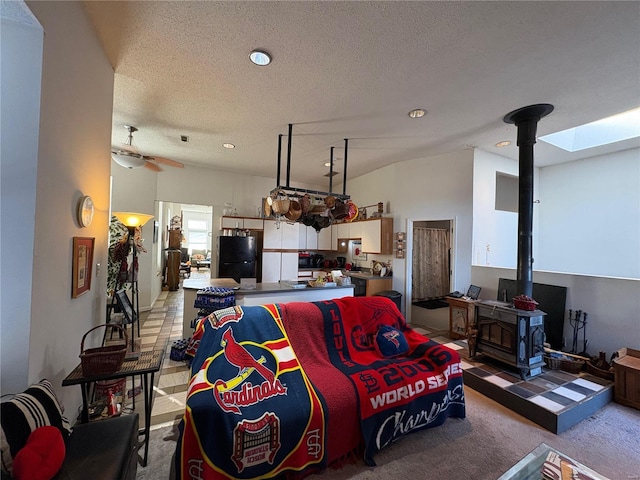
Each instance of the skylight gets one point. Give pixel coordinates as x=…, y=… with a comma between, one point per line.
x=616, y=128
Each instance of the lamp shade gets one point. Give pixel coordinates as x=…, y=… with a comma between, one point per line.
x=128, y=160
x=131, y=219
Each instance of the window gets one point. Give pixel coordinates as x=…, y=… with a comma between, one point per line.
x=197, y=235
x=616, y=128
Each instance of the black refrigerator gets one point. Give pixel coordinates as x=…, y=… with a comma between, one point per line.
x=237, y=257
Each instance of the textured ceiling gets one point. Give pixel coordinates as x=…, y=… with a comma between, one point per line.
x=353, y=70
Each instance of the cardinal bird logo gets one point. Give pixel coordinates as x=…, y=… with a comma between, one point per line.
x=237, y=355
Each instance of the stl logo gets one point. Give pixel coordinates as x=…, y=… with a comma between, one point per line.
x=392, y=337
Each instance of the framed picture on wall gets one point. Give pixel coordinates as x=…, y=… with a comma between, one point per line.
x=82, y=262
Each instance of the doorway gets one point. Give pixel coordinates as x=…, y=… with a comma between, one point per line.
x=431, y=271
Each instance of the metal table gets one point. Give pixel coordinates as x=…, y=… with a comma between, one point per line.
x=148, y=363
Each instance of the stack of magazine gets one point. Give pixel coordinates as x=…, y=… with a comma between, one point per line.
x=558, y=467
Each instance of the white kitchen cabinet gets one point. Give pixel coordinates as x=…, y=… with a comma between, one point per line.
x=377, y=235
x=312, y=238
x=325, y=239
x=289, y=236
x=241, y=222
x=231, y=222
x=278, y=266
x=342, y=230
x=271, y=262
x=334, y=237
x=302, y=236
x=307, y=237
x=283, y=238
x=272, y=236
x=289, y=266
x=254, y=223
x=355, y=230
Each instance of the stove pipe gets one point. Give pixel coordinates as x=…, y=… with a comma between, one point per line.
x=526, y=120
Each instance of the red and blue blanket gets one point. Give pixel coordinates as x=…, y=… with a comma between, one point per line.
x=251, y=410
x=415, y=389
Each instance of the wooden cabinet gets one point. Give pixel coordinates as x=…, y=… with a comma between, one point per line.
x=461, y=315
x=377, y=285
x=377, y=235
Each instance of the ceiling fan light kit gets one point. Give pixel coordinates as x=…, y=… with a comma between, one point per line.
x=128, y=160
x=128, y=156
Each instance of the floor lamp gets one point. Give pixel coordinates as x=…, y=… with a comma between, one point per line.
x=132, y=221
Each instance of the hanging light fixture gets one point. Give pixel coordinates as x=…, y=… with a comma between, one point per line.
x=127, y=156
x=128, y=160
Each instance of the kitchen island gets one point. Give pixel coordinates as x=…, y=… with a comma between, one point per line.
x=263, y=293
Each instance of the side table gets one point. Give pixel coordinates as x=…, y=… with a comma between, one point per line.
x=461, y=316
x=148, y=363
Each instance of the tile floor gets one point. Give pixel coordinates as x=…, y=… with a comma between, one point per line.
x=159, y=328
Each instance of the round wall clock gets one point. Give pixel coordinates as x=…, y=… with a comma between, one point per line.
x=85, y=211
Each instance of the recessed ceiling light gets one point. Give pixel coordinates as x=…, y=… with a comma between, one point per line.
x=260, y=57
x=228, y=145
x=504, y=143
x=327, y=164
x=417, y=113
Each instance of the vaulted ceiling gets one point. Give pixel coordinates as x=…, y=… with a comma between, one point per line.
x=354, y=70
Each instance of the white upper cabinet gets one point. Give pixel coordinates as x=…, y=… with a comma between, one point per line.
x=241, y=222
x=325, y=239
x=289, y=234
x=377, y=235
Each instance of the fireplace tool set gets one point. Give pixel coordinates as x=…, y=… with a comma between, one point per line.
x=579, y=322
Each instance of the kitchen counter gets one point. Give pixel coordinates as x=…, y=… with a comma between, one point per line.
x=263, y=293
x=365, y=275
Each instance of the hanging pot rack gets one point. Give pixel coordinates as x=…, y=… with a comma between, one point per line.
x=289, y=190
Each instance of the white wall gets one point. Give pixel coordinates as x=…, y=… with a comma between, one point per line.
x=73, y=160
x=433, y=188
x=590, y=216
x=21, y=69
x=612, y=305
x=134, y=190
x=495, y=232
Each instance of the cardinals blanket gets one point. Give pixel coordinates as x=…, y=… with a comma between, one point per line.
x=251, y=410
x=404, y=381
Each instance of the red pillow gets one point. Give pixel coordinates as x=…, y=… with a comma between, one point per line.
x=42, y=455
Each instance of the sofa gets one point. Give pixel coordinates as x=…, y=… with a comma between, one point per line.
x=287, y=390
x=38, y=442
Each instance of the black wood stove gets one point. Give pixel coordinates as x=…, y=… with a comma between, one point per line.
x=513, y=336
x=510, y=335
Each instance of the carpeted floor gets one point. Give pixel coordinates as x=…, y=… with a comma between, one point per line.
x=482, y=447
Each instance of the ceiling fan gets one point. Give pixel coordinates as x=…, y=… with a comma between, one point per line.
x=128, y=156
